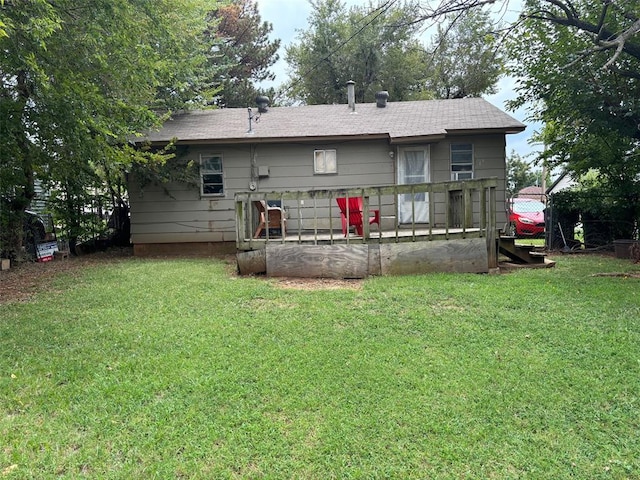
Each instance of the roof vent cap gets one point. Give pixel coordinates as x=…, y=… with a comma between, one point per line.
x=381, y=98
x=263, y=103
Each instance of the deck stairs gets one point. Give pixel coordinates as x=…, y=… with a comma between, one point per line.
x=520, y=254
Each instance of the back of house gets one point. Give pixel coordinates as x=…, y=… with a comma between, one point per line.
x=307, y=148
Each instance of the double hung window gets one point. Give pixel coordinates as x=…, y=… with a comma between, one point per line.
x=211, y=175
x=461, y=161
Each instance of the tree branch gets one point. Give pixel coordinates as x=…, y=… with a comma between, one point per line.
x=601, y=20
x=450, y=6
x=566, y=7
x=604, y=38
x=620, y=42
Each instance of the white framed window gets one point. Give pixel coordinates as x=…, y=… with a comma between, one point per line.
x=324, y=161
x=211, y=175
x=461, y=161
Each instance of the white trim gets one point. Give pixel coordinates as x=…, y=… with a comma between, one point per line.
x=203, y=172
x=457, y=174
x=325, y=162
x=420, y=203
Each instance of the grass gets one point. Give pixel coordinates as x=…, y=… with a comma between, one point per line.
x=536, y=242
x=178, y=369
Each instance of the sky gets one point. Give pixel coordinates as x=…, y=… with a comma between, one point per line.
x=289, y=16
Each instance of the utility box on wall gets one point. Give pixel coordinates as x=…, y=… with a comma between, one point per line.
x=263, y=171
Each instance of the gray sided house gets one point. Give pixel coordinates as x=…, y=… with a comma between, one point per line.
x=312, y=148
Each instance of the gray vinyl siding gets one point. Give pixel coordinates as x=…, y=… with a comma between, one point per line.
x=186, y=216
x=158, y=218
x=489, y=153
x=291, y=166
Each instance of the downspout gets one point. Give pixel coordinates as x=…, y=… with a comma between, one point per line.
x=253, y=168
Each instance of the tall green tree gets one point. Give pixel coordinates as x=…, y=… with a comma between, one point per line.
x=245, y=47
x=465, y=61
x=378, y=46
x=77, y=80
x=579, y=68
x=375, y=46
x=519, y=174
x=582, y=90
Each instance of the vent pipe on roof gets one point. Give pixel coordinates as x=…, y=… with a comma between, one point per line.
x=381, y=98
x=351, y=95
x=263, y=103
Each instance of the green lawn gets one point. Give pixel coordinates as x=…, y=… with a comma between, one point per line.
x=179, y=369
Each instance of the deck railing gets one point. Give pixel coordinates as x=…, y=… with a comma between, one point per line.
x=408, y=213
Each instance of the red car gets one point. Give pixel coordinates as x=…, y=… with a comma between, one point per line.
x=526, y=217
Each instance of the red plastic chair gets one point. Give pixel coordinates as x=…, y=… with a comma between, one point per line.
x=355, y=215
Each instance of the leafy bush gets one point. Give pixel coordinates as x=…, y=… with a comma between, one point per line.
x=606, y=215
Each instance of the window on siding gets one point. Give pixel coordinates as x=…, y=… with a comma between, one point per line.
x=461, y=161
x=324, y=161
x=211, y=175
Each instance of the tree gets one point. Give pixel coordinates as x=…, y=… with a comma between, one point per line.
x=583, y=81
x=581, y=92
x=578, y=65
x=588, y=49
x=375, y=47
x=465, y=60
x=245, y=46
x=379, y=48
x=519, y=174
x=77, y=80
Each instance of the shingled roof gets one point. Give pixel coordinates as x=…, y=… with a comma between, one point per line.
x=400, y=122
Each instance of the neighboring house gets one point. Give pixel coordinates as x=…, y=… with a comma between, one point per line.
x=563, y=229
x=563, y=182
x=306, y=148
x=533, y=192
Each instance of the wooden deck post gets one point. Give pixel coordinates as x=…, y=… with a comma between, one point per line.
x=492, y=245
x=241, y=229
x=468, y=206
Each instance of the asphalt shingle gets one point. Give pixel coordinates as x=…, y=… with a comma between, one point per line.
x=397, y=121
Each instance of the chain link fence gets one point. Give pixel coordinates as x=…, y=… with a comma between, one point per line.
x=587, y=221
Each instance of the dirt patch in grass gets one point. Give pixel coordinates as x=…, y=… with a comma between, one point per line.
x=21, y=282
x=318, y=284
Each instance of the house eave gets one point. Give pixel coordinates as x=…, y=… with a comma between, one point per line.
x=417, y=139
x=484, y=131
x=250, y=139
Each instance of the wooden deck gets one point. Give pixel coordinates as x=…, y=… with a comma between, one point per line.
x=457, y=231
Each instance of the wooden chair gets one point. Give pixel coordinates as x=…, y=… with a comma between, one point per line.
x=355, y=215
x=274, y=216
